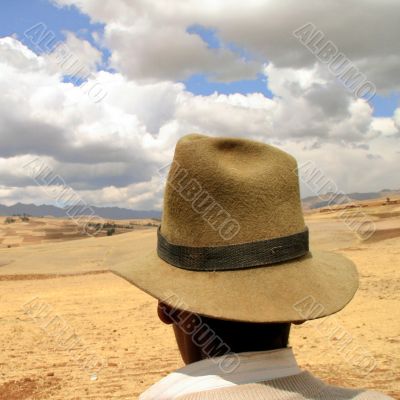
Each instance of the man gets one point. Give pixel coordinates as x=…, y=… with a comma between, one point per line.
x=232, y=270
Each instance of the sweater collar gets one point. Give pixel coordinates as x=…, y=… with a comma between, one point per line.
x=251, y=367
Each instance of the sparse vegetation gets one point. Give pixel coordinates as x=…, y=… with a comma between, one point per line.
x=96, y=227
x=16, y=232
x=111, y=226
x=389, y=202
x=151, y=224
x=24, y=218
x=13, y=218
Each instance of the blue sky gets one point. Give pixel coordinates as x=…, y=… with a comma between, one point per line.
x=17, y=16
x=148, y=102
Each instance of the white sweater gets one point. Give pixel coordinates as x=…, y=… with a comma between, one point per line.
x=271, y=375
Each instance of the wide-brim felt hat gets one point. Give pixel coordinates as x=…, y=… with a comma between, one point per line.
x=233, y=243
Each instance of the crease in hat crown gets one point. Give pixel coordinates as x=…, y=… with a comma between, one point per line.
x=223, y=191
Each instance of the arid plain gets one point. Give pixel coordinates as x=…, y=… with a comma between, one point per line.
x=51, y=292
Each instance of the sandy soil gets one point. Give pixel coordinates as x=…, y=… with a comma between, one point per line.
x=50, y=293
x=38, y=230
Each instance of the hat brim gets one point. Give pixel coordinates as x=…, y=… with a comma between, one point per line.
x=313, y=286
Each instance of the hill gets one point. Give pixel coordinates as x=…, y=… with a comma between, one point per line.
x=327, y=199
x=53, y=211
x=116, y=213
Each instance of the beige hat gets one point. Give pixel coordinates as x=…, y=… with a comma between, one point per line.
x=233, y=243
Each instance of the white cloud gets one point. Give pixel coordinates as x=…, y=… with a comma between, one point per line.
x=110, y=151
x=169, y=52
x=149, y=38
x=19, y=56
x=75, y=57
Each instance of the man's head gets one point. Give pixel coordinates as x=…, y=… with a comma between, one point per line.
x=200, y=337
x=233, y=245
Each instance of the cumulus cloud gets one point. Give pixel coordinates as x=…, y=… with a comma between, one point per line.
x=19, y=56
x=234, y=115
x=169, y=52
x=150, y=39
x=89, y=145
x=151, y=42
x=75, y=57
x=110, y=151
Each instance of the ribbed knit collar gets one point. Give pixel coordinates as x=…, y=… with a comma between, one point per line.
x=207, y=375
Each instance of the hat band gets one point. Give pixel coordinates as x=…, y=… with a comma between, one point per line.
x=235, y=256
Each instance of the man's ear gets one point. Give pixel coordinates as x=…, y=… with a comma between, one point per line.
x=164, y=312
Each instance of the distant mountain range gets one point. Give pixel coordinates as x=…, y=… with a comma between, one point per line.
x=332, y=198
x=52, y=211
x=310, y=202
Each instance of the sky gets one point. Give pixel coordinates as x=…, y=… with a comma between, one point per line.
x=100, y=92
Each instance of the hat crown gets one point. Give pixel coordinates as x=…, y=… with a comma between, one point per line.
x=224, y=191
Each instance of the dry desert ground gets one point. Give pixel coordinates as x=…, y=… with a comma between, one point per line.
x=70, y=329
x=23, y=231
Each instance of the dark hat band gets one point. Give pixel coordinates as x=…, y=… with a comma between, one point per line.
x=235, y=256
